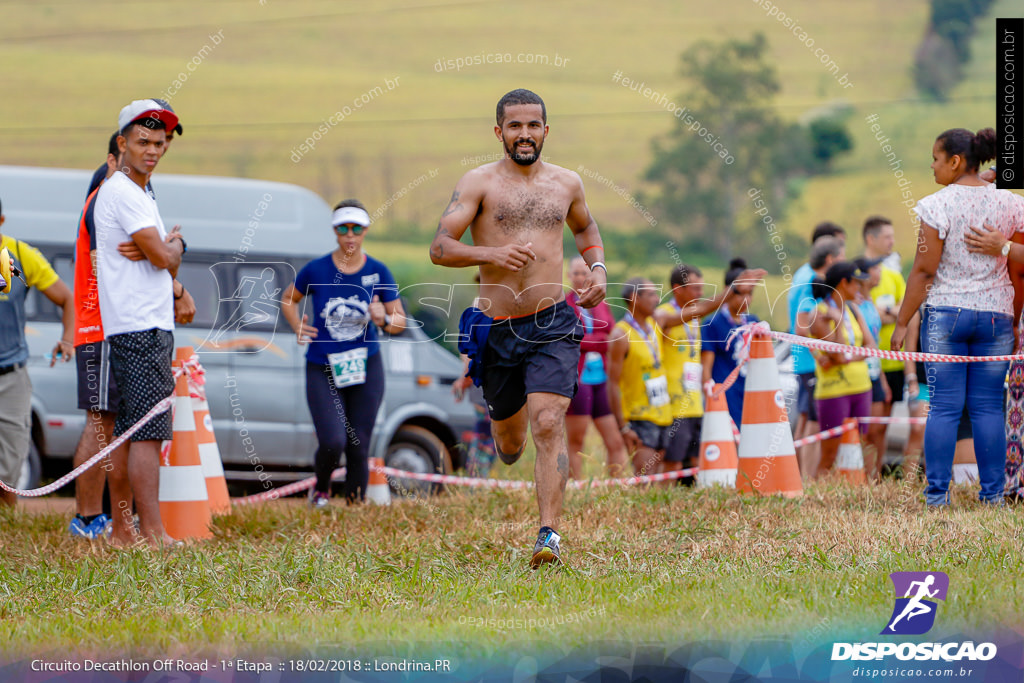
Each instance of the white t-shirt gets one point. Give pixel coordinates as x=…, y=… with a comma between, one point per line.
x=973, y=281
x=134, y=295
x=894, y=262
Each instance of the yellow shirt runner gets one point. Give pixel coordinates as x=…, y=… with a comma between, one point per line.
x=849, y=378
x=681, y=353
x=643, y=382
x=889, y=293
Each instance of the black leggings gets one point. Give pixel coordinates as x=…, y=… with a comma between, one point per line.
x=344, y=419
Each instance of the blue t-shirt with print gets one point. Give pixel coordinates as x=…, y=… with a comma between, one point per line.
x=338, y=305
x=714, y=333
x=871, y=317
x=800, y=292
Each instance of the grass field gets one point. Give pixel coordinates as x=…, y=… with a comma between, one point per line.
x=281, y=69
x=450, y=575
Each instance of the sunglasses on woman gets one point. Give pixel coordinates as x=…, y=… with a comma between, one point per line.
x=343, y=229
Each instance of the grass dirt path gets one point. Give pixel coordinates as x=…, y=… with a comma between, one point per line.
x=656, y=564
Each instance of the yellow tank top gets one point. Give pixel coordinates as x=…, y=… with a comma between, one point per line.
x=889, y=293
x=643, y=383
x=681, y=353
x=843, y=380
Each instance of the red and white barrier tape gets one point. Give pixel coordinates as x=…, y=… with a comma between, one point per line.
x=893, y=420
x=512, y=484
x=730, y=379
x=827, y=434
x=841, y=429
x=639, y=479
x=283, y=491
x=474, y=482
x=862, y=352
x=477, y=482
x=196, y=379
x=746, y=332
x=73, y=474
x=735, y=430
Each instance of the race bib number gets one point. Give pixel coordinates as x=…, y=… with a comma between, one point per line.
x=593, y=369
x=692, y=374
x=874, y=367
x=348, y=367
x=657, y=391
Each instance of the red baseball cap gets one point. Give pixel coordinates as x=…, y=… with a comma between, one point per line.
x=141, y=109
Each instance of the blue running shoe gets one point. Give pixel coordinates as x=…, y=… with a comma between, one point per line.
x=99, y=526
x=546, y=550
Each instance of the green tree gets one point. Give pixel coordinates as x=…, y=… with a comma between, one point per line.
x=945, y=47
x=829, y=139
x=724, y=145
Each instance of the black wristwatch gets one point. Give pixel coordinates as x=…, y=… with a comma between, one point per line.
x=184, y=245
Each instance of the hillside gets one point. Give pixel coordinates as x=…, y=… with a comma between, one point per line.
x=261, y=76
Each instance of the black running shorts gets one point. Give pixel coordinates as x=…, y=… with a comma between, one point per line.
x=142, y=367
x=529, y=354
x=97, y=388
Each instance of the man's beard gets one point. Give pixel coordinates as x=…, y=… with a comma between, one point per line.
x=523, y=159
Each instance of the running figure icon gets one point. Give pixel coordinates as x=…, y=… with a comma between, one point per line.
x=915, y=606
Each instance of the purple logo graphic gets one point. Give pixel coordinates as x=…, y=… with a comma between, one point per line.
x=916, y=595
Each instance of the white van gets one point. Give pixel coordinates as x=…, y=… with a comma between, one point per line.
x=246, y=241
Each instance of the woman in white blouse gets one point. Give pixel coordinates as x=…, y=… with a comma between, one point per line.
x=968, y=303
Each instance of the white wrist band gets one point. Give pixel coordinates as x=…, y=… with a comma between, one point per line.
x=598, y=264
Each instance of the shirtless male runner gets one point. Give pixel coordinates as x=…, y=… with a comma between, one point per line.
x=528, y=352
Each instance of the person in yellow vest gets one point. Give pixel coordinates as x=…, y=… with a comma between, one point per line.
x=679, y=322
x=15, y=385
x=637, y=384
x=843, y=382
x=879, y=238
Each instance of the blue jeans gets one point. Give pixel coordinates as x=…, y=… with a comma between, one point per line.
x=965, y=332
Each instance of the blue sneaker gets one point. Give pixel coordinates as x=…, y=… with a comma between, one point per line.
x=99, y=526
x=546, y=550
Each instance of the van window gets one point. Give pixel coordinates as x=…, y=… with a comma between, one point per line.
x=37, y=307
x=65, y=268
x=259, y=289
x=34, y=300
x=201, y=283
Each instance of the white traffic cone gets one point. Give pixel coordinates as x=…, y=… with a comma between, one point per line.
x=378, y=490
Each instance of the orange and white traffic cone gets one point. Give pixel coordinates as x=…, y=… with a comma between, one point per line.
x=209, y=454
x=767, y=458
x=718, y=458
x=183, y=501
x=965, y=465
x=850, y=460
x=378, y=491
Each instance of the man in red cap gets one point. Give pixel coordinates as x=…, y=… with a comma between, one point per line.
x=98, y=394
x=137, y=311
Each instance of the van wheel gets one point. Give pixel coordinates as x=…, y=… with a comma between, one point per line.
x=31, y=469
x=416, y=449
